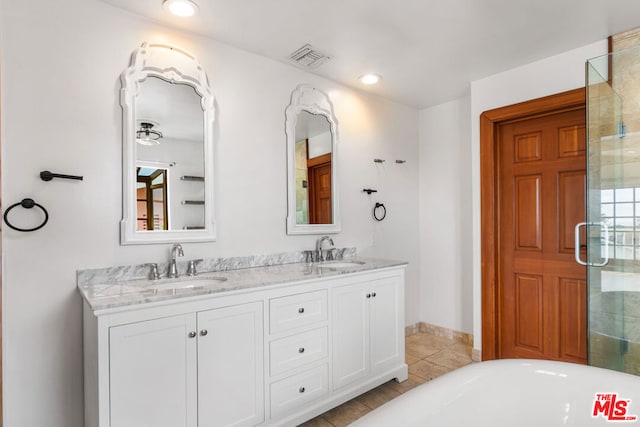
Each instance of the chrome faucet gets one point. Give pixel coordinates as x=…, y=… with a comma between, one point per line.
x=173, y=268
x=319, y=243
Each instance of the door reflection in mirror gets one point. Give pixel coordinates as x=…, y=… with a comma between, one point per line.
x=313, y=163
x=151, y=198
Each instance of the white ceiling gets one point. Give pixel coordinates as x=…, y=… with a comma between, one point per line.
x=309, y=125
x=427, y=51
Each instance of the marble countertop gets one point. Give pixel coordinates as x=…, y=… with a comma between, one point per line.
x=121, y=294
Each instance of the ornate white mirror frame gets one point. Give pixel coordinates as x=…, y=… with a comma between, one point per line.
x=308, y=98
x=173, y=65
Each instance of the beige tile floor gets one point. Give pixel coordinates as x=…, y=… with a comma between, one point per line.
x=428, y=357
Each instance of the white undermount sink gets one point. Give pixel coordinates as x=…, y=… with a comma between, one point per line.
x=191, y=283
x=340, y=264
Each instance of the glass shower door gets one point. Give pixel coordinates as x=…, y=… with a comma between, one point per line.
x=613, y=219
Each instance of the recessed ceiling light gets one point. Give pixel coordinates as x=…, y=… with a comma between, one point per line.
x=182, y=8
x=370, y=79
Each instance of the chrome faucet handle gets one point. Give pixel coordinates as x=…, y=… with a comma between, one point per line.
x=191, y=269
x=154, y=274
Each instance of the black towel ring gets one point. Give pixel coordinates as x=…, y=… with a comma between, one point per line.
x=375, y=212
x=27, y=204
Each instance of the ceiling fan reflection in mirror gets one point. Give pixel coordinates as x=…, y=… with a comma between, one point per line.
x=146, y=135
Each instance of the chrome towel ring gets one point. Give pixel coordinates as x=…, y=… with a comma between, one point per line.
x=27, y=204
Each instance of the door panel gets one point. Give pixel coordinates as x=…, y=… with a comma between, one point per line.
x=573, y=319
x=230, y=366
x=385, y=322
x=528, y=224
x=528, y=317
x=541, y=187
x=351, y=337
x=572, y=141
x=527, y=147
x=571, y=187
x=138, y=352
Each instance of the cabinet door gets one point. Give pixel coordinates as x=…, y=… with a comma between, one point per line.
x=350, y=329
x=385, y=324
x=231, y=366
x=153, y=373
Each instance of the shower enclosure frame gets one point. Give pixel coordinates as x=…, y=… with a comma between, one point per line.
x=613, y=210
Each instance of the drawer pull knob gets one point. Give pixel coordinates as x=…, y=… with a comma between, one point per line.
x=373, y=294
x=301, y=389
x=301, y=350
x=203, y=332
x=192, y=334
x=301, y=310
x=368, y=295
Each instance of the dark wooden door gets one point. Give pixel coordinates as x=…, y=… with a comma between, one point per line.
x=320, y=202
x=542, y=291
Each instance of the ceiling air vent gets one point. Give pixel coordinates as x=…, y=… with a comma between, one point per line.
x=308, y=57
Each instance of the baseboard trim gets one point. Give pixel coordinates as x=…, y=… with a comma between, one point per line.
x=452, y=334
x=439, y=331
x=411, y=329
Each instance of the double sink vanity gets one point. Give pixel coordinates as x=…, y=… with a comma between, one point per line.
x=271, y=340
x=258, y=340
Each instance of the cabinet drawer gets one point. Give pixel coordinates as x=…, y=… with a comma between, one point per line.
x=292, y=392
x=294, y=311
x=297, y=350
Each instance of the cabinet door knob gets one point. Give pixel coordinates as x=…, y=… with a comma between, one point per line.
x=301, y=350
x=203, y=332
x=192, y=334
x=373, y=294
x=301, y=389
x=301, y=310
x=368, y=295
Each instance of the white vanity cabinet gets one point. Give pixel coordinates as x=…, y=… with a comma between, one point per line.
x=158, y=352
x=230, y=366
x=197, y=369
x=368, y=337
x=270, y=355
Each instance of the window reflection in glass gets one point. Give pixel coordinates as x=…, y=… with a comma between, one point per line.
x=620, y=211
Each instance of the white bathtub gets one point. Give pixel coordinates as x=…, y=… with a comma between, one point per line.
x=516, y=393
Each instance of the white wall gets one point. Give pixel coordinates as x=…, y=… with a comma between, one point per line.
x=446, y=296
x=320, y=144
x=552, y=75
x=61, y=63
